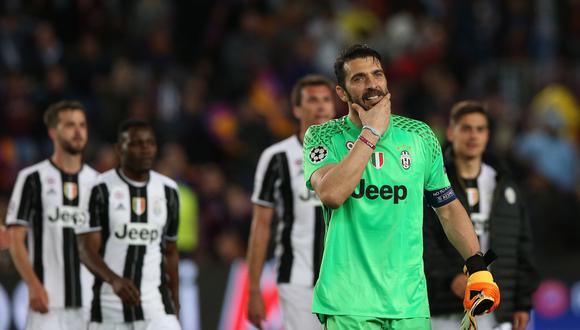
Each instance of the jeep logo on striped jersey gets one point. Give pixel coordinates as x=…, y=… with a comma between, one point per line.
x=386, y=192
x=138, y=205
x=405, y=159
x=138, y=233
x=71, y=190
x=67, y=216
x=378, y=159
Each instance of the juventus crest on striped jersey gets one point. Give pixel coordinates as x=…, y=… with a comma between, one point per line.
x=50, y=203
x=135, y=221
x=279, y=183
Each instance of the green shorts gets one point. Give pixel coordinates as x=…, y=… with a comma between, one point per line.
x=340, y=322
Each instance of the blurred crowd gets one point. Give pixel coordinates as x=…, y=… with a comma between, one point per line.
x=214, y=77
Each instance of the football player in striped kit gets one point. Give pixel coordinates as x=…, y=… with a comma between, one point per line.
x=46, y=205
x=279, y=191
x=129, y=240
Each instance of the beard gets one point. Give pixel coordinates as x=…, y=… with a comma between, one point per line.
x=71, y=148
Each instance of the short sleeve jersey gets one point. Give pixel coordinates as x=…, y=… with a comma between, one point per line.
x=135, y=222
x=52, y=203
x=372, y=263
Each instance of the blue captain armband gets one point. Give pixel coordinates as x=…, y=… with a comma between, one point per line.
x=441, y=197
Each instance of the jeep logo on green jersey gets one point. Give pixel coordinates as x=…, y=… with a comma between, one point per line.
x=386, y=192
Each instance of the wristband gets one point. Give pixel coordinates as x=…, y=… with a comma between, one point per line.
x=372, y=130
x=367, y=142
x=475, y=263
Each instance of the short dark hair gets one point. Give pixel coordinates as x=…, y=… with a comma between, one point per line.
x=131, y=123
x=51, y=114
x=349, y=54
x=308, y=80
x=466, y=107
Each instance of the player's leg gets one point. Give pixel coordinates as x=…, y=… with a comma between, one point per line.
x=340, y=322
x=110, y=326
x=163, y=322
x=296, y=303
x=488, y=322
x=38, y=321
x=74, y=318
x=420, y=323
x=446, y=322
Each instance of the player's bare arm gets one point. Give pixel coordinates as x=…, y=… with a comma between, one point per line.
x=38, y=297
x=171, y=268
x=257, y=249
x=458, y=228
x=89, y=245
x=335, y=182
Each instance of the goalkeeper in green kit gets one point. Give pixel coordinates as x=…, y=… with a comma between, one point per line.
x=371, y=170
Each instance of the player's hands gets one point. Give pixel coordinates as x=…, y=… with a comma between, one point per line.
x=38, y=298
x=458, y=285
x=126, y=290
x=481, y=294
x=520, y=320
x=256, y=309
x=378, y=116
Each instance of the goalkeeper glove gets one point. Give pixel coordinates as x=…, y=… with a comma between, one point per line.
x=482, y=293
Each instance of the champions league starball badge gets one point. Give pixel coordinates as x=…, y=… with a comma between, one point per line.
x=317, y=154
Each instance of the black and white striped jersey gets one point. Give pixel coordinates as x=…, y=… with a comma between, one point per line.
x=135, y=221
x=50, y=203
x=279, y=184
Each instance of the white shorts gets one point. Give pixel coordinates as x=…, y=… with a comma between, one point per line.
x=296, y=303
x=165, y=322
x=58, y=319
x=452, y=321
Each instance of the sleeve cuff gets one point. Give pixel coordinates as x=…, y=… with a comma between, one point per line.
x=262, y=203
x=17, y=222
x=170, y=238
x=87, y=230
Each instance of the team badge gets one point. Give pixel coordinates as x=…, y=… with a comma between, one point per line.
x=405, y=159
x=349, y=145
x=378, y=159
x=318, y=154
x=510, y=195
x=138, y=204
x=71, y=190
x=472, y=196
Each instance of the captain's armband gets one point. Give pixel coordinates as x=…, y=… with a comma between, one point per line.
x=441, y=197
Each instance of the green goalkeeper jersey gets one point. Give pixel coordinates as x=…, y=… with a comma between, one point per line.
x=372, y=263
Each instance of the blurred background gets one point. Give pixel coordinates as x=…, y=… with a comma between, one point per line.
x=214, y=77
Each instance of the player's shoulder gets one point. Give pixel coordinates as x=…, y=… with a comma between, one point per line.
x=288, y=144
x=34, y=168
x=89, y=171
x=165, y=180
x=415, y=127
x=107, y=177
x=323, y=133
x=411, y=125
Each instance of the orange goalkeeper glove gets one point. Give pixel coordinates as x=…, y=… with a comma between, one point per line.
x=482, y=293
